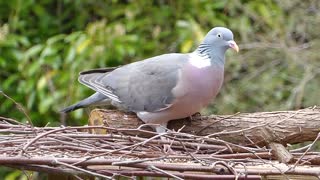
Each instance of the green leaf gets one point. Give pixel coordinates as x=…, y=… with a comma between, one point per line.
x=42, y=82
x=71, y=54
x=265, y=13
x=13, y=175
x=34, y=50
x=55, y=39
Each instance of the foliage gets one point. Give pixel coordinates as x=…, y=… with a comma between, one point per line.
x=44, y=44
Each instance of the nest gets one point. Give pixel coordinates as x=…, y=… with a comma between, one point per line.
x=119, y=152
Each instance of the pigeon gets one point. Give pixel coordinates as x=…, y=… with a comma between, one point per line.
x=165, y=87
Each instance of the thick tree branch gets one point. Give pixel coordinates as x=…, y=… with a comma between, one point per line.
x=286, y=127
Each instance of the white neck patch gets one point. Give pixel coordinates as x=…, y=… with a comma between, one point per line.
x=199, y=61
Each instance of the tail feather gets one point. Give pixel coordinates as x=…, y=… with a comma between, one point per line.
x=71, y=108
x=93, y=100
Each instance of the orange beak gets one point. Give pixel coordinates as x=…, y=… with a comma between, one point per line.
x=233, y=45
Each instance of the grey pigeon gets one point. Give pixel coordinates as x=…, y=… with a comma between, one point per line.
x=165, y=87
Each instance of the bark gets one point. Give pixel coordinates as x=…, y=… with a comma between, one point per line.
x=248, y=129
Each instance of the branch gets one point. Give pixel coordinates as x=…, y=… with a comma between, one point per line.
x=288, y=127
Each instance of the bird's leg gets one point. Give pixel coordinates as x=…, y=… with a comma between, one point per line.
x=162, y=129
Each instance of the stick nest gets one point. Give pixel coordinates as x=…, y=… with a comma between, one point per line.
x=78, y=151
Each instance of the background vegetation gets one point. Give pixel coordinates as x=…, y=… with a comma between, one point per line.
x=45, y=44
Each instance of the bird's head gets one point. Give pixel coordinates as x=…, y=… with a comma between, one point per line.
x=220, y=39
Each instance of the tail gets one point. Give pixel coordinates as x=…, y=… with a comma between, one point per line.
x=72, y=108
x=93, y=100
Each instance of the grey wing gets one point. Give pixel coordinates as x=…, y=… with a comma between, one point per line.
x=94, y=78
x=142, y=86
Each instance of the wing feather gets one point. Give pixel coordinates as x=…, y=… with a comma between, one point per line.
x=93, y=82
x=141, y=86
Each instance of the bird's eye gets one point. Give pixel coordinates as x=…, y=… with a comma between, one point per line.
x=219, y=35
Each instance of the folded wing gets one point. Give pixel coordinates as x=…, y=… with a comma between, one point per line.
x=141, y=86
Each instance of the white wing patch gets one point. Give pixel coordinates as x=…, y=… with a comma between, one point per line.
x=199, y=61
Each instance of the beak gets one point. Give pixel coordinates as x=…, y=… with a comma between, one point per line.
x=233, y=45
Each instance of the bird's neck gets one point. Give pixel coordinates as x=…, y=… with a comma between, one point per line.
x=216, y=57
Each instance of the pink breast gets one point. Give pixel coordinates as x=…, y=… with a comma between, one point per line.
x=204, y=83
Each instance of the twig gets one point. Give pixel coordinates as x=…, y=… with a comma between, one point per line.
x=297, y=162
x=127, y=147
x=228, y=167
x=38, y=137
x=82, y=170
x=300, y=149
x=197, y=133
x=11, y=120
x=198, y=160
x=120, y=163
x=235, y=132
x=164, y=172
x=20, y=107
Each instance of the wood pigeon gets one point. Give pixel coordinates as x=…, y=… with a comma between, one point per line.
x=164, y=87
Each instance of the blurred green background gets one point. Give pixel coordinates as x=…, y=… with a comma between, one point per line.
x=45, y=44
